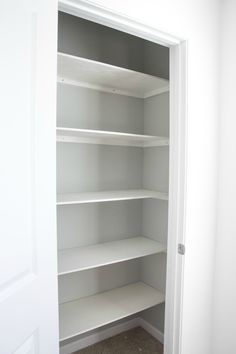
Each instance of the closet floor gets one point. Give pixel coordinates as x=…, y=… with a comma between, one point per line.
x=134, y=341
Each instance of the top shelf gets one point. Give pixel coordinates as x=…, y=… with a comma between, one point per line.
x=108, y=78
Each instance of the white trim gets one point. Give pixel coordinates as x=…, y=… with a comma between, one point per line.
x=110, y=332
x=177, y=198
x=178, y=149
x=151, y=330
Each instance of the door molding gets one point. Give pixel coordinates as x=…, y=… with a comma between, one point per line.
x=178, y=149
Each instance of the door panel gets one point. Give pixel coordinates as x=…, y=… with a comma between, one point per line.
x=28, y=281
x=29, y=346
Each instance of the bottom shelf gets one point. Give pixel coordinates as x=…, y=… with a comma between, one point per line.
x=88, y=313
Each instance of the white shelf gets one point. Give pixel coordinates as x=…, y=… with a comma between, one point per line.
x=104, y=77
x=88, y=136
x=92, y=256
x=107, y=196
x=88, y=313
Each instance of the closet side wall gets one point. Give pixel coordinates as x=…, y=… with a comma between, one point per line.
x=155, y=212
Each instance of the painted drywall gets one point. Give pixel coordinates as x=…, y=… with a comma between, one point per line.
x=87, y=39
x=224, y=316
x=97, y=280
x=83, y=108
x=198, y=22
x=155, y=212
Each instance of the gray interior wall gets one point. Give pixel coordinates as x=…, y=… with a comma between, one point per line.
x=87, y=39
x=83, y=108
x=81, y=225
x=155, y=316
x=156, y=113
x=153, y=273
x=91, y=168
x=156, y=168
x=155, y=60
x=93, y=281
x=155, y=212
x=155, y=220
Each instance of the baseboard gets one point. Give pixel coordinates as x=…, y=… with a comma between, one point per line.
x=99, y=336
x=109, y=332
x=152, y=330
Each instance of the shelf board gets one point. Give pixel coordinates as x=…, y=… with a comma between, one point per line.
x=88, y=313
x=92, y=256
x=107, y=196
x=88, y=136
x=108, y=78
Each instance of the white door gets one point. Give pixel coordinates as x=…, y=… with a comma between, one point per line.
x=28, y=282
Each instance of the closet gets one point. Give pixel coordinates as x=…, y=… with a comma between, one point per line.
x=112, y=179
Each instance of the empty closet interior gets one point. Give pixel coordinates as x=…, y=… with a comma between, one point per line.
x=112, y=179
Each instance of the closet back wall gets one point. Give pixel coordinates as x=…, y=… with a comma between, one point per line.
x=83, y=38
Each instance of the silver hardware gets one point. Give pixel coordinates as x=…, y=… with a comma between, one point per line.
x=181, y=249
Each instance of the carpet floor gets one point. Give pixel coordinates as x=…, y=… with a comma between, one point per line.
x=134, y=341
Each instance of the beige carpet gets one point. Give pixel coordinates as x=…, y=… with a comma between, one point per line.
x=134, y=341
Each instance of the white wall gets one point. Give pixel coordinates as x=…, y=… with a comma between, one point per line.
x=196, y=20
x=224, y=336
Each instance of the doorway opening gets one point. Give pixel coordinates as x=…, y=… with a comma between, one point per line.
x=121, y=125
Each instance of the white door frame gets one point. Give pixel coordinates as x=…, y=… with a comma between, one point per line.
x=178, y=138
